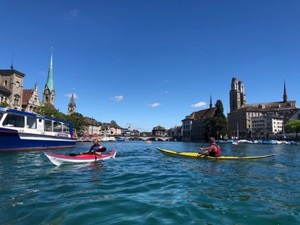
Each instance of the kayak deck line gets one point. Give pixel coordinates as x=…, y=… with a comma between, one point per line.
x=201, y=156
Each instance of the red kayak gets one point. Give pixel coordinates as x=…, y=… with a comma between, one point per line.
x=58, y=159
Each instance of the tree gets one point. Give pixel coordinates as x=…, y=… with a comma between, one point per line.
x=293, y=126
x=3, y=104
x=217, y=125
x=219, y=109
x=50, y=110
x=78, y=121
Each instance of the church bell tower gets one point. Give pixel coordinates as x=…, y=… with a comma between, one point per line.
x=71, y=105
x=49, y=91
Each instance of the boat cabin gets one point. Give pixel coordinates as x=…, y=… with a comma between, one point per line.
x=25, y=122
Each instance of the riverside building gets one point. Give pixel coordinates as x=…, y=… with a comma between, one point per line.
x=257, y=121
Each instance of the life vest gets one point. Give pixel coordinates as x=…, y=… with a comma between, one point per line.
x=219, y=152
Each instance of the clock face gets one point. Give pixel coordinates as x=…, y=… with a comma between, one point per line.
x=71, y=109
x=17, y=84
x=46, y=91
x=53, y=92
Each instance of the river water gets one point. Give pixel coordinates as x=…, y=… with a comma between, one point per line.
x=143, y=186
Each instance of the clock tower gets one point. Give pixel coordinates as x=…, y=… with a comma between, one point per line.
x=71, y=105
x=49, y=91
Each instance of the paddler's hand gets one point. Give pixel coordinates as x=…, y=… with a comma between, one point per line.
x=201, y=149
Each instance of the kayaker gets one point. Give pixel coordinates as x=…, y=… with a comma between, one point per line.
x=213, y=150
x=96, y=148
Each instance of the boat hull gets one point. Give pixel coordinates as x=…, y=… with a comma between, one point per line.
x=199, y=156
x=59, y=159
x=12, y=140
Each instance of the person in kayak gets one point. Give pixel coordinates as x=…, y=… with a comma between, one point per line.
x=213, y=150
x=96, y=148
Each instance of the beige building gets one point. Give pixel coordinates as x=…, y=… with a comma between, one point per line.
x=256, y=121
x=30, y=100
x=11, y=88
x=13, y=94
x=193, y=124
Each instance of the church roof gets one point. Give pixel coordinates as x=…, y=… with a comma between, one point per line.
x=202, y=114
x=27, y=93
x=10, y=72
x=271, y=105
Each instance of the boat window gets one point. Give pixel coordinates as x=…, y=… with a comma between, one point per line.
x=1, y=115
x=31, y=122
x=48, y=125
x=57, y=127
x=61, y=127
x=66, y=129
x=13, y=120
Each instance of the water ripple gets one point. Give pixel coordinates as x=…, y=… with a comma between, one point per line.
x=142, y=186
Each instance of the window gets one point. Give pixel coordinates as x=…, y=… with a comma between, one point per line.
x=48, y=125
x=13, y=120
x=31, y=122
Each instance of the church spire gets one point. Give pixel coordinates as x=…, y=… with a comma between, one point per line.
x=49, y=83
x=49, y=92
x=284, y=93
x=72, y=105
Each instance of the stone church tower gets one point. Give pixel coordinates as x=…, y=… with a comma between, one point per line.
x=49, y=91
x=237, y=95
x=71, y=105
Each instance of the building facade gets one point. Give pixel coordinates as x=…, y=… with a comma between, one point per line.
x=11, y=88
x=159, y=131
x=256, y=121
x=30, y=100
x=193, y=126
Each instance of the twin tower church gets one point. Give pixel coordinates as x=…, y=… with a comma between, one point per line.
x=13, y=94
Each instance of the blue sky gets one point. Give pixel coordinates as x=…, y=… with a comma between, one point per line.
x=153, y=62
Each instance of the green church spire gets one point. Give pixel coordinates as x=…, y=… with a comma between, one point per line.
x=49, y=83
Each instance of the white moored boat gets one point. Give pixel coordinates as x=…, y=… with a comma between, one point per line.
x=21, y=131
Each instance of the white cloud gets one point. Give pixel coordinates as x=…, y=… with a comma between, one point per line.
x=118, y=98
x=199, y=104
x=72, y=14
x=153, y=105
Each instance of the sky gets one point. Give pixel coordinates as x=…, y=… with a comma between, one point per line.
x=147, y=63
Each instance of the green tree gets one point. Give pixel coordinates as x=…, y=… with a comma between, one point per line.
x=78, y=121
x=217, y=126
x=50, y=110
x=293, y=126
x=219, y=109
x=3, y=104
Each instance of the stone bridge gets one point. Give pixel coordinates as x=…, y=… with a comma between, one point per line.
x=150, y=138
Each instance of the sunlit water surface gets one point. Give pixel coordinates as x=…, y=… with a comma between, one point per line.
x=142, y=186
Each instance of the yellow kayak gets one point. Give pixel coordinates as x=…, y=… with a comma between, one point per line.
x=197, y=155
